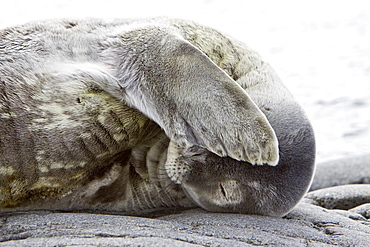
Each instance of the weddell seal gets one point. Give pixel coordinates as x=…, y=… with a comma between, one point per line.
x=131, y=116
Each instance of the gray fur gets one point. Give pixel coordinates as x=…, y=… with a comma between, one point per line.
x=83, y=102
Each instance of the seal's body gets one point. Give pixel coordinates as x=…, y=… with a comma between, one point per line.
x=130, y=115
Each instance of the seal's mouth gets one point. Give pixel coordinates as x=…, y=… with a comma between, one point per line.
x=179, y=161
x=175, y=167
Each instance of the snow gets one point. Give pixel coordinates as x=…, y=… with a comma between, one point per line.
x=321, y=50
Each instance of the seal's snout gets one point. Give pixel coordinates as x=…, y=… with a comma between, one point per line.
x=223, y=184
x=229, y=193
x=225, y=196
x=218, y=196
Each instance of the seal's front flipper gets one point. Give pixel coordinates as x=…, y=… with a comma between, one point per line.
x=194, y=101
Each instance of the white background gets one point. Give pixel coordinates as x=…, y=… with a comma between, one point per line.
x=320, y=48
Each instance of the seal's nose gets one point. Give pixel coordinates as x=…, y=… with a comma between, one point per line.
x=222, y=196
x=228, y=193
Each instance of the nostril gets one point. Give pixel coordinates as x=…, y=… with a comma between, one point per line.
x=223, y=190
x=229, y=192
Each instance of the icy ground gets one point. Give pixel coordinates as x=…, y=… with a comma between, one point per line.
x=321, y=50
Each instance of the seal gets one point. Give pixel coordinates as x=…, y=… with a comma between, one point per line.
x=131, y=116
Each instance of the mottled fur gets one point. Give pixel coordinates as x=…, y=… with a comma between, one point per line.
x=83, y=102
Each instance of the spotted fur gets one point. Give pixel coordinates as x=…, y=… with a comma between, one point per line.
x=132, y=115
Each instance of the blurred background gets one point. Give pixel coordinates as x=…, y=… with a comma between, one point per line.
x=321, y=50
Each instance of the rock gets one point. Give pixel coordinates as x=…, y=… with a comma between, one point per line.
x=304, y=225
x=322, y=218
x=341, y=197
x=363, y=210
x=352, y=170
x=349, y=214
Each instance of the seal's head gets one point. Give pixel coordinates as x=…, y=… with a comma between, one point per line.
x=223, y=184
